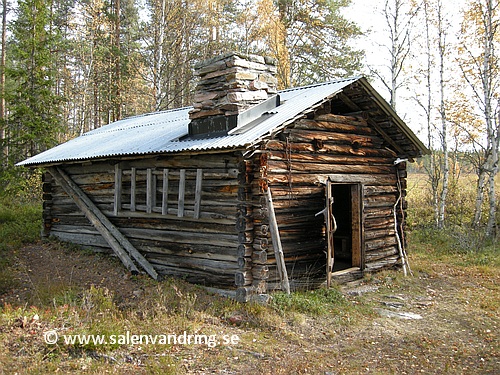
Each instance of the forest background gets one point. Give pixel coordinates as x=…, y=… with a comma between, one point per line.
x=67, y=67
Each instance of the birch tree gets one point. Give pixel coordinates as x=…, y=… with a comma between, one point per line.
x=398, y=16
x=4, y=153
x=480, y=68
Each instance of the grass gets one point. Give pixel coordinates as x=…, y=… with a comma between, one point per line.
x=454, y=287
x=19, y=224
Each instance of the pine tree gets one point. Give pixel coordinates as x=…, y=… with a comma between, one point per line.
x=34, y=108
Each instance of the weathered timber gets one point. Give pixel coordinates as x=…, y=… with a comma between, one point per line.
x=380, y=243
x=82, y=239
x=352, y=128
x=117, y=204
x=278, y=250
x=383, y=263
x=299, y=167
x=329, y=159
x=328, y=148
x=245, y=263
x=244, y=250
x=318, y=178
x=372, y=256
x=210, y=265
x=342, y=119
x=198, y=192
x=357, y=141
x=243, y=278
x=197, y=276
x=260, y=272
x=347, y=275
x=183, y=237
x=379, y=233
x=101, y=223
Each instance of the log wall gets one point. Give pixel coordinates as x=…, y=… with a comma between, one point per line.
x=199, y=249
x=217, y=232
x=295, y=166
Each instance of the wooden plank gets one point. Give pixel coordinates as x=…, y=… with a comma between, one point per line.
x=330, y=247
x=302, y=135
x=278, y=250
x=117, y=204
x=313, y=157
x=357, y=225
x=93, y=214
x=328, y=148
x=149, y=191
x=276, y=166
x=197, y=193
x=182, y=192
x=133, y=186
x=113, y=236
x=353, y=128
x=164, y=193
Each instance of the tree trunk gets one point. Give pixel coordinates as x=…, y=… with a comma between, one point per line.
x=444, y=125
x=4, y=150
x=479, y=198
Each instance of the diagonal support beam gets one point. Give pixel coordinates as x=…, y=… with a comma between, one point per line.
x=118, y=242
x=278, y=250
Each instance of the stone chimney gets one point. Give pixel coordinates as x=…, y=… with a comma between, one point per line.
x=228, y=85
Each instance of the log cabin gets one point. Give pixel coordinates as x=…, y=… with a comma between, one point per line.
x=248, y=191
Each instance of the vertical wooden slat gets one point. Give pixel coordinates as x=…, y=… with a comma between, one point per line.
x=164, y=193
x=118, y=189
x=149, y=191
x=182, y=187
x=154, y=183
x=329, y=234
x=133, y=185
x=197, y=193
x=278, y=250
x=356, y=225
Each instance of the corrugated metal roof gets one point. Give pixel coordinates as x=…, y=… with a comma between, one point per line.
x=161, y=132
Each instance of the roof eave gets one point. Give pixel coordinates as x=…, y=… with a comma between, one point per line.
x=389, y=111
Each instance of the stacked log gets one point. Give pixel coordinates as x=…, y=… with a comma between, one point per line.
x=244, y=225
x=47, y=204
x=201, y=250
x=232, y=83
x=348, y=150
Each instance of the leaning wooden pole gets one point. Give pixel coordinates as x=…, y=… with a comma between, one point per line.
x=118, y=242
x=278, y=250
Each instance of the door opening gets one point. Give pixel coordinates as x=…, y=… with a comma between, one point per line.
x=343, y=227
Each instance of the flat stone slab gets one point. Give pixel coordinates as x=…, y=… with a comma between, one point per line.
x=399, y=314
x=361, y=290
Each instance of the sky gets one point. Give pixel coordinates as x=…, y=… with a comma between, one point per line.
x=368, y=14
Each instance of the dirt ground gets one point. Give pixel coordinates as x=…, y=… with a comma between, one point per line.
x=442, y=320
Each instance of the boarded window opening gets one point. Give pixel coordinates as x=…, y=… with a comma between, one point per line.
x=164, y=191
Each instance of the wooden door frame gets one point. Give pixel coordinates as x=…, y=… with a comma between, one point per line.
x=357, y=224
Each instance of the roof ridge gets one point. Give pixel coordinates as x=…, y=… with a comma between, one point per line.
x=354, y=78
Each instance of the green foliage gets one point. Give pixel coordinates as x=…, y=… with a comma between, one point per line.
x=19, y=224
x=313, y=302
x=33, y=105
x=459, y=206
x=460, y=244
x=20, y=185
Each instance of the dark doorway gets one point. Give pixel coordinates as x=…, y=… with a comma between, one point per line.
x=343, y=227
